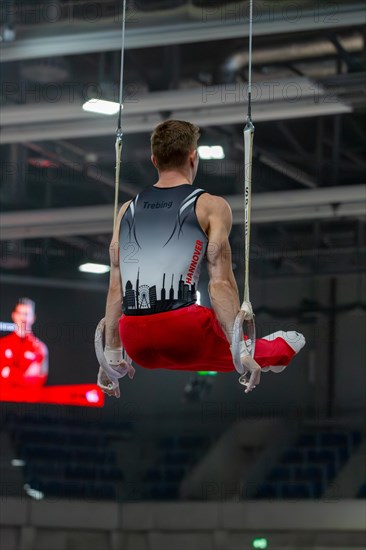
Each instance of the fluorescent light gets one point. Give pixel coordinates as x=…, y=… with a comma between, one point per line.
x=17, y=462
x=94, y=268
x=214, y=152
x=198, y=294
x=204, y=152
x=217, y=152
x=34, y=493
x=101, y=106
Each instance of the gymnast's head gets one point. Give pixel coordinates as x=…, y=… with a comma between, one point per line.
x=174, y=147
x=24, y=315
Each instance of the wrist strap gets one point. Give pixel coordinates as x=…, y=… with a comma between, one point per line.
x=114, y=356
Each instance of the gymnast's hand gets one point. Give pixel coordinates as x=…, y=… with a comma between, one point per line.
x=251, y=367
x=246, y=311
x=114, y=364
x=110, y=385
x=106, y=385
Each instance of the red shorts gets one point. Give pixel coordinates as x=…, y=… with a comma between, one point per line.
x=191, y=339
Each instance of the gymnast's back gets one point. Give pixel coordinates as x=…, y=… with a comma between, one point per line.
x=161, y=249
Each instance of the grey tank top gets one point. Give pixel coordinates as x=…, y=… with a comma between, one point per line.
x=161, y=247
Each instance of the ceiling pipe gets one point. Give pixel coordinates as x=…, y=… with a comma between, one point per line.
x=287, y=53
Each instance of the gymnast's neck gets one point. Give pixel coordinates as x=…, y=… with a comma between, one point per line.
x=175, y=176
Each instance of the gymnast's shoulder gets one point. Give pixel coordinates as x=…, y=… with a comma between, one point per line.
x=213, y=204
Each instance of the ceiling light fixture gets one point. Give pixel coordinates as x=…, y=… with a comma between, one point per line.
x=17, y=462
x=101, y=106
x=213, y=152
x=33, y=493
x=94, y=268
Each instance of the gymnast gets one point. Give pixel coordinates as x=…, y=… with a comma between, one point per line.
x=160, y=240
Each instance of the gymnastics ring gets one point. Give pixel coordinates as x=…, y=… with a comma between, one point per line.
x=238, y=344
x=113, y=374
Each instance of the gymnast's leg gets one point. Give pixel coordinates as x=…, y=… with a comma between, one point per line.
x=192, y=339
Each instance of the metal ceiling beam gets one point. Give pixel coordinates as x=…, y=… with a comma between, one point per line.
x=88, y=169
x=206, y=105
x=276, y=163
x=146, y=123
x=282, y=167
x=268, y=21
x=67, y=105
x=325, y=203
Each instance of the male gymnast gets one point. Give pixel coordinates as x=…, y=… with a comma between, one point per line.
x=161, y=238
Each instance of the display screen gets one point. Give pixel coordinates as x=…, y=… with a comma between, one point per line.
x=47, y=346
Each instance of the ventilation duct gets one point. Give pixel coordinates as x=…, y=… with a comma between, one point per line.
x=286, y=53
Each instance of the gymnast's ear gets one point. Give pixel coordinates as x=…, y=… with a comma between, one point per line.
x=193, y=156
x=153, y=160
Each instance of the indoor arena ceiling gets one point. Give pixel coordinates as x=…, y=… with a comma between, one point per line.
x=184, y=59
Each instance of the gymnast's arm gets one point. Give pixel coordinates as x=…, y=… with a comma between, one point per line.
x=114, y=298
x=222, y=286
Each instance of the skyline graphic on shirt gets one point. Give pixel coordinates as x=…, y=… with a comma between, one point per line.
x=145, y=297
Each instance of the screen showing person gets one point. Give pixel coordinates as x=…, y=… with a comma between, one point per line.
x=23, y=356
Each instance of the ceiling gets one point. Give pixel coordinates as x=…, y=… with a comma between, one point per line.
x=184, y=59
